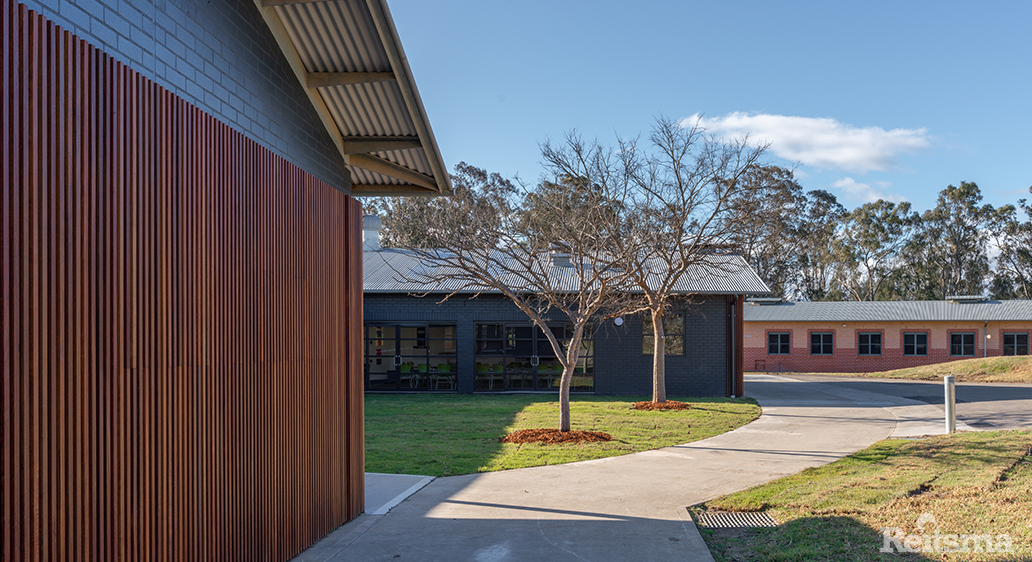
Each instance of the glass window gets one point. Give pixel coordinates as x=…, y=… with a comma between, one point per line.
x=962, y=345
x=779, y=343
x=673, y=329
x=1015, y=344
x=520, y=357
x=870, y=343
x=410, y=357
x=821, y=343
x=915, y=344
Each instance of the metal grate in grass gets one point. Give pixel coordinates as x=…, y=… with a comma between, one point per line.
x=733, y=520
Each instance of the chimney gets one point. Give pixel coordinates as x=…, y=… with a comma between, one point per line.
x=559, y=257
x=371, y=225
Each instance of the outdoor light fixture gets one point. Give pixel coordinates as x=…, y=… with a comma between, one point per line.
x=618, y=321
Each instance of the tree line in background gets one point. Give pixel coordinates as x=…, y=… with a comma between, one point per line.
x=809, y=247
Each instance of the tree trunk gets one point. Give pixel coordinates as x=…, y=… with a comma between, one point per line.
x=658, y=358
x=572, y=356
x=564, y=398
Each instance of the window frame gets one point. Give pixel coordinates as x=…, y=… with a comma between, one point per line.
x=915, y=344
x=1014, y=344
x=539, y=346
x=974, y=344
x=647, y=335
x=870, y=344
x=822, y=344
x=784, y=344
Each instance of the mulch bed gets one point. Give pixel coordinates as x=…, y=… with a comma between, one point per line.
x=554, y=436
x=668, y=405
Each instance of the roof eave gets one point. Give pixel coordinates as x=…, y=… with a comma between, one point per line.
x=440, y=183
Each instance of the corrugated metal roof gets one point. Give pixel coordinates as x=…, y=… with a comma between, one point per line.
x=358, y=36
x=385, y=271
x=890, y=311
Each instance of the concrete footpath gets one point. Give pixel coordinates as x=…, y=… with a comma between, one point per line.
x=631, y=507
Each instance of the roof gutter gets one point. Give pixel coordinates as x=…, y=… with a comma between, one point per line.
x=406, y=82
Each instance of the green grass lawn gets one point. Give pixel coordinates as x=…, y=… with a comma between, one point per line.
x=991, y=369
x=442, y=435
x=971, y=483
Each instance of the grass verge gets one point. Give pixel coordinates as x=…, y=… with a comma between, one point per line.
x=992, y=369
x=971, y=483
x=443, y=435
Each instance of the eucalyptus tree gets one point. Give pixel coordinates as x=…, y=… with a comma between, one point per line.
x=407, y=221
x=1014, y=241
x=767, y=211
x=818, y=218
x=868, y=247
x=949, y=254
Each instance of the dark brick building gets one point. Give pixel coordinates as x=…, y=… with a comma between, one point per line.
x=486, y=344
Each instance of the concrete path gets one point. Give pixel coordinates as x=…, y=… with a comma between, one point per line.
x=631, y=507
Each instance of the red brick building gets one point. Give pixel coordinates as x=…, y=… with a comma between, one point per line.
x=842, y=337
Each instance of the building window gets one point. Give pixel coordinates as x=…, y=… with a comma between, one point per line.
x=1015, y=344
x=962, y=345
x=410, y=357
x=673, y=329
x=821, y=343
x=915, y=344
x=870, y=343
x=779, y=343
x=518, y=356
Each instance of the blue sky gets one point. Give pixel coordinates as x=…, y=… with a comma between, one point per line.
x=867, y=99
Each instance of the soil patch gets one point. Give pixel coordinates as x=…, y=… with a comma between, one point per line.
x=668, y=405
x=554, y=436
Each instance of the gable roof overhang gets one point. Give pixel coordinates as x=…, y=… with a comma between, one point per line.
x=348, y=58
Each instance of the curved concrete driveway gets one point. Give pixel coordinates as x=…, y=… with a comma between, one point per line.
x=631, y=507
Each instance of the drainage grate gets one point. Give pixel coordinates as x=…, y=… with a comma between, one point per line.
x=734, y=520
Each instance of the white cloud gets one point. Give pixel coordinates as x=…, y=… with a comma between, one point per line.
x=863, y=192
x=821, y=142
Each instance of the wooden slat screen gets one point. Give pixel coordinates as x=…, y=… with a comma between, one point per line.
x=181, y=323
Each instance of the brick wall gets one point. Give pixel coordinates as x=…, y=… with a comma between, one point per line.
x=620, y=365
x=846, y=357
x=219, y=56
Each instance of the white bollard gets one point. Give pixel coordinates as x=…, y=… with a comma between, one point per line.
x=951, y=404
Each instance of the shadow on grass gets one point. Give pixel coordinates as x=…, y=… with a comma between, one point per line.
x=838, y=538
x=438, y=435
x=445, y=435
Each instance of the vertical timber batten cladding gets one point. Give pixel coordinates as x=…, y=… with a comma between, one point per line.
x=181, y=318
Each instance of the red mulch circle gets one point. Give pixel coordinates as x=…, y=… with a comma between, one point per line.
x=554, y=436
x=668, y=405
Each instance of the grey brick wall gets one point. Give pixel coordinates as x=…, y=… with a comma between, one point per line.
x=218, y=55
x=620, y=365
x=701, y=371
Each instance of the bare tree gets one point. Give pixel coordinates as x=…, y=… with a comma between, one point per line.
x=675, y=215
x=546, y=247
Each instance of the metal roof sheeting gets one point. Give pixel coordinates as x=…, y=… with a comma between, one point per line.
x=385, y=271
x=890, y=311
x=341, y=36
